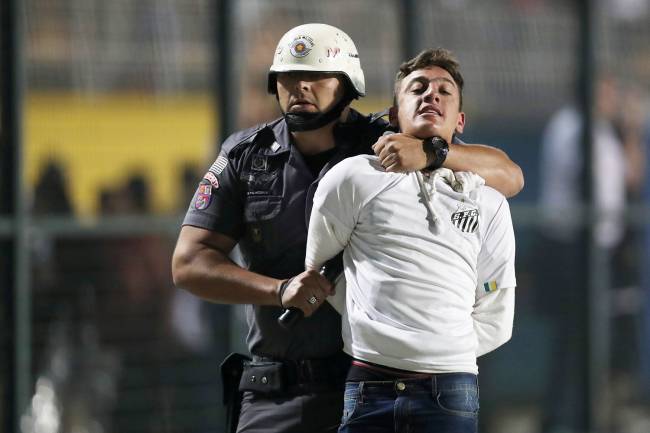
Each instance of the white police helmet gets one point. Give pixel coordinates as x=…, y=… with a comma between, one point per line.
x=318, y=48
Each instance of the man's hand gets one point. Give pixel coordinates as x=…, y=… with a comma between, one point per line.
x=307, y=291
x=401, y=153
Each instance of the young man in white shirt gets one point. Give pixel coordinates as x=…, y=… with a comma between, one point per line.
x=429, y=265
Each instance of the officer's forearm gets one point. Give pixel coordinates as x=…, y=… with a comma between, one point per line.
x=210, y=274
x=492, y=164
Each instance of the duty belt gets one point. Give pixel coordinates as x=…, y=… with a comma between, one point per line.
x=296, y=375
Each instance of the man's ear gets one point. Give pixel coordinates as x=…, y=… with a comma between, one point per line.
x=392, y=117
x=460, y=123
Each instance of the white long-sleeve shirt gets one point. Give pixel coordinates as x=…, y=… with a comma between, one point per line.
x=429, y=286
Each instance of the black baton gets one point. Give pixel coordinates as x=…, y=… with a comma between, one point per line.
x=330, y=270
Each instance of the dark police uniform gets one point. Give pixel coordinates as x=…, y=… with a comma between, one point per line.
x=259, y=191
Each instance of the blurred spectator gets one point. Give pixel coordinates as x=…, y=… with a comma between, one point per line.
x=632, y=127
x=626, y=306
x=50, y=193
x=49, y=254
x=139, y=317
x=132, y=198
x=139, y=263
x=72, y=367
x=562, y=167
x=627, y=262
x=137, y=195
x=107, y=202
x=562, y=266
x=50, y=198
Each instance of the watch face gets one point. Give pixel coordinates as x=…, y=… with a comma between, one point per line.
x=440, y=148
x=439, y=143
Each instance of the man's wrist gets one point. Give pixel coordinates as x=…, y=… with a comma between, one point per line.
x=281, y=289
x=436, y=149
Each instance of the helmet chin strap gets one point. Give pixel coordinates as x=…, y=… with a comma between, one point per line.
x=304, y=121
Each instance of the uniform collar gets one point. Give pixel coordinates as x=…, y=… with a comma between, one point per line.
x=345, y=133
x=278, y=138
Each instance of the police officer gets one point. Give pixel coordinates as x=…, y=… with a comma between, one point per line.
x=258, y=194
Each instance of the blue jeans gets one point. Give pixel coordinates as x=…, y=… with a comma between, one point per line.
x=442, y=403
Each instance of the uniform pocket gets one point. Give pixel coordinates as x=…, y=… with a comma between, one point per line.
x=262, y=208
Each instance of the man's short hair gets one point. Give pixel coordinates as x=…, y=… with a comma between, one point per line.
x=432, y=57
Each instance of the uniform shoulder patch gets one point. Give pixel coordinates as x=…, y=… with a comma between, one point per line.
x=203, y=195
x=212, y=178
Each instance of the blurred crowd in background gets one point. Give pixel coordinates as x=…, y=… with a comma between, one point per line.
x=118, y=131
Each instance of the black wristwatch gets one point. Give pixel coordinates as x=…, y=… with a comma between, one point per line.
x=439, y=148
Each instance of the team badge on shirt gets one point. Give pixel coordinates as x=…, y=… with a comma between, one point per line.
x=203, y=195
x=466, y=220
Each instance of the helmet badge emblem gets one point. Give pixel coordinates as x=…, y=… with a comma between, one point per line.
x=301, y=46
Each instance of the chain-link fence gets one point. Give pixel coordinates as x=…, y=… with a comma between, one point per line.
x=119, y=122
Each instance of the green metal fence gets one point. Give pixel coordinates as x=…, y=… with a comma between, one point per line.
x=94, y=335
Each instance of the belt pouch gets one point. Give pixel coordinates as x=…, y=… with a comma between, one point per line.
x=263, y=377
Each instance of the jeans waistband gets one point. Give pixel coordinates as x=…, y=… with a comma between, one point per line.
x=431, y=383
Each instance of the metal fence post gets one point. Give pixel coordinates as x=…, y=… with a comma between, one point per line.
x=18, y=291
x=410, y=28
x=594, y=312
x=225, y=85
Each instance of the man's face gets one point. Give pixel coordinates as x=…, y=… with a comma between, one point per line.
x=428, y=104
x=311, y=92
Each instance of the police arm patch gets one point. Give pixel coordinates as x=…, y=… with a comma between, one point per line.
x=203, y=195
x=210, y=177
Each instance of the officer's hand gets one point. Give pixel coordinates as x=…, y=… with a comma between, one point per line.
x=400, y=153
x=307, y=291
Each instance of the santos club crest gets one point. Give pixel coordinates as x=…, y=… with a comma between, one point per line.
x=466, y=220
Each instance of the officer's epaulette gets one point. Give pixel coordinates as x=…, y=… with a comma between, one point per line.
x=240, y=139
